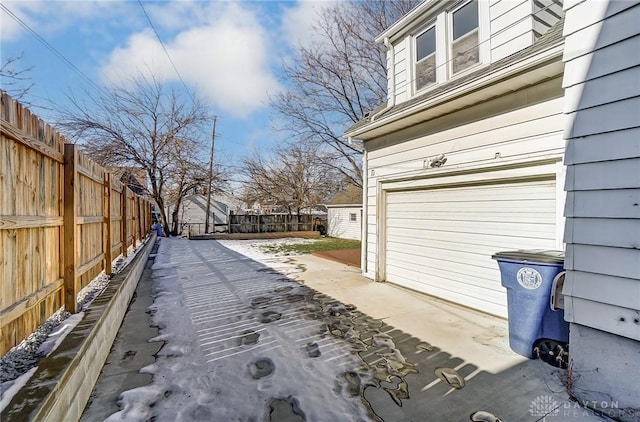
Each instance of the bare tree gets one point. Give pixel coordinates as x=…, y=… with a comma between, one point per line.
x=15, y=80
x=338, y=79
x=189, y=174
x=146, y=125
x=289, y=179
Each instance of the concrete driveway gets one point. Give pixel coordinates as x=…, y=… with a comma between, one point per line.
x=236, y=340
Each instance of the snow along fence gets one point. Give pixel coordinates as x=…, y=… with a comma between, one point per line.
x=61, y=385
x=63, y=219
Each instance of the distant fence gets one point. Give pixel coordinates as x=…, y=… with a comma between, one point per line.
x=269, y=223
x=63, y=220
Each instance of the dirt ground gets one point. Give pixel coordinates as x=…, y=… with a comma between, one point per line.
x=349, y=257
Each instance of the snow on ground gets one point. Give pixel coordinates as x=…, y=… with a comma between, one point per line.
x=20, y=363
x=242, y=342
x=255, y=249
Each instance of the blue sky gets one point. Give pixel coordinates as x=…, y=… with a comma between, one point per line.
x=229, y=52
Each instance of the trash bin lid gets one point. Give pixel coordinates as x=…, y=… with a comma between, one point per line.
x=532, y=255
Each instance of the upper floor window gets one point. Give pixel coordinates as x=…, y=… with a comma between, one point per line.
x=464, y=41
x=426, y=58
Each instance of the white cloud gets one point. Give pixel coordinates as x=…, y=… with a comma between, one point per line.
x=298, y=21
x=227, y=59
x=10, y=29
x=50, y=17
x=173, y=15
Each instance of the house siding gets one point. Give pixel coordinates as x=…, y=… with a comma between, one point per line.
x=402, y=78
x=522, y=129
x=340, y=224
x=602, y=231
x=505, y=27
x=511, y=27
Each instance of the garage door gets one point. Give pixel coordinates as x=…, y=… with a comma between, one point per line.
x=440, y=241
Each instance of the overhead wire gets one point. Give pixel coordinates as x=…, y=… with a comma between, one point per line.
x=51, y=48
x=166, y=52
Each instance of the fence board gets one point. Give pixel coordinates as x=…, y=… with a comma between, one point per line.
x=59, y=222
x=30, y=221
x=271, y=223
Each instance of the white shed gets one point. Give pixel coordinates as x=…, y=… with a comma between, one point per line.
x=344, y=211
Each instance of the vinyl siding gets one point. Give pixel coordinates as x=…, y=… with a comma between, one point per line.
x=505, y=26
x=440, y=241
x=602, y=232
x=340, y=224
x=511, y=27
x=402, y=83
x=521, y=136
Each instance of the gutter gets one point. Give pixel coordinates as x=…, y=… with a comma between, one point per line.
x=364, y=218
x=503, y=73
x=391, y=98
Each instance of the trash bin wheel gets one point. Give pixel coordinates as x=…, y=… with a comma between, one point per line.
x=552, y=352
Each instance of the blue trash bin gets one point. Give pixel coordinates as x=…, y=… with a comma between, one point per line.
x=535, y=329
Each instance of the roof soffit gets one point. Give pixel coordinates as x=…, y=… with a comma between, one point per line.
x=515, y=78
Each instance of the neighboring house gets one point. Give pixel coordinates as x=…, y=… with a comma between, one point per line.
x=134, y=177
x=344, y=216
x=193, y=211
x=465, y=159
x=602, y=287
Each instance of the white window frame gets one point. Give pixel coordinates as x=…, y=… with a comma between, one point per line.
x=414, y=57
x=450, y=12
x=443, y=23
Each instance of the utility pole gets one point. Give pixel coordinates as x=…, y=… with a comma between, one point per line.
x=213, y=138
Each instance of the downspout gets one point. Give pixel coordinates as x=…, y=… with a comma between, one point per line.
x=363, y=219
x=391, y=96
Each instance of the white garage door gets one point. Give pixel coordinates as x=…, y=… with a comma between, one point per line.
x=440, y=241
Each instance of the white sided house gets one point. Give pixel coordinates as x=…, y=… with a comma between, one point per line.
x=602, y=285
x=344, y=214
x=465, y=159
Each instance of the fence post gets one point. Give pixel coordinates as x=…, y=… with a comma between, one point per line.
x=139, y=218
x=71, y=282
x=124, y=221
x=107, y=224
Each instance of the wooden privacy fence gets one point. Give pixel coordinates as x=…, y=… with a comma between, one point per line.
x=63, y=219
x=268, y=223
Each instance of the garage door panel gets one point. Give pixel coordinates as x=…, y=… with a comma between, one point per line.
x=465, y=273
x=476, y=266
x=468, y=239
x=495, y=192
x=533, y=230
x=427, y=218
x=440, y=241
x=465, y=254
x=476, y=207
x=447, y=283
x=489, y=306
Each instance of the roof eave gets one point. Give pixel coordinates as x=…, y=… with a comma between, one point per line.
x=554, y=52
x=407, y=20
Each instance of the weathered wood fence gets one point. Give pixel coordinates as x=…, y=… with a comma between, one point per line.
x=63, y=220
x=269, y=223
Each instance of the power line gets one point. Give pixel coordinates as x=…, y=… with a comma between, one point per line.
x=50, y=47
x=166, y=52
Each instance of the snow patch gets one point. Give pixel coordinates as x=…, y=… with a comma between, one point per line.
x=221, y=360
x=20, y=363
